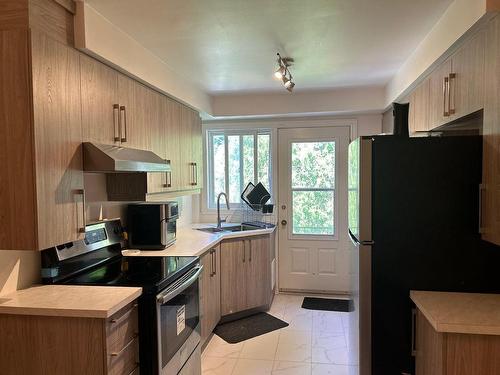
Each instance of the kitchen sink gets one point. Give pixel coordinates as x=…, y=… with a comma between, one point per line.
x=231, y=228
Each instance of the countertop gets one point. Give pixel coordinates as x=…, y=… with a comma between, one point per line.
x=469, y=313
x=68, y=300
x=193, y=242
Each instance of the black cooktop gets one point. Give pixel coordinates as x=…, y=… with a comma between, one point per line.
x=151, y=273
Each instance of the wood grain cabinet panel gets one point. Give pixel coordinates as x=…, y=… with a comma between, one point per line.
x=43, y=134
x=245, y=274
x=43, y=345
x=210, y=292
x=490, y=192
x=453, y=353
x=438, y=95
x=418, y=117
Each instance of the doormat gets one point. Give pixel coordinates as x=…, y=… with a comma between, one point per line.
x=249, y=327
x=328, y=304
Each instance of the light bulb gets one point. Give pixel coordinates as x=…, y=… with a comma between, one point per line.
x=289, y=86
x=280, y=72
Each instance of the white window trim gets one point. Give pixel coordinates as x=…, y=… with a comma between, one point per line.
x=274, y=124
x=209, y=183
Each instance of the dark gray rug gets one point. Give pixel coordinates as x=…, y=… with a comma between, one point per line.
x=327, y=304
x=246, y=328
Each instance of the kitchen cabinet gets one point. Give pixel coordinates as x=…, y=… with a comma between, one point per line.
x=457, y=85
x=41, y=134
x=438, y=353
x=490, y=190
x=40, y=345
x=245, y=274
x=418, y=117
x=210, y=292
x=191, y=150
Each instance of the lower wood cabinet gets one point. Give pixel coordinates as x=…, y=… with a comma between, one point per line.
x=210, y=292
x=43, y=345
x=454, y=354
x=245, y=274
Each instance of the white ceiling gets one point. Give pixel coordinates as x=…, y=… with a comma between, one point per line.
x=231, y=45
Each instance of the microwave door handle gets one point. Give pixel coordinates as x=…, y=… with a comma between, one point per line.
x=185, y=283
x=357, y=242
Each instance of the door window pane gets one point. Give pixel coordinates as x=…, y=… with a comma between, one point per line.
x=313, y=165
x=219, y=163
x=233, y=154
x=313, y=212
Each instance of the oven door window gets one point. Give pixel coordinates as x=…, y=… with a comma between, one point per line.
x=171, y=231
x=178, y=319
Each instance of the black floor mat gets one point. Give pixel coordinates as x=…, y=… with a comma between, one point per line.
x=327, y=304
x=246, y=328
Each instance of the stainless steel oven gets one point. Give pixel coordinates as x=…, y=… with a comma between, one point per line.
x=178, y=326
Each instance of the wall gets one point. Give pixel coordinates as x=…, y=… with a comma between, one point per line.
x=388, y=122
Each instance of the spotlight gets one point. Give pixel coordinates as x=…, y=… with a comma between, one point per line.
x=283, y=72
x=280, y=72
x=289, y=86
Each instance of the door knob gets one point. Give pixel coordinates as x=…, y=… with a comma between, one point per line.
x=283, y=222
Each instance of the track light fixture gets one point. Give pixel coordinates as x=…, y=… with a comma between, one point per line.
x=283, y=72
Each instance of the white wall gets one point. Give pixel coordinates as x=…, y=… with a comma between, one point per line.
x=18, y=270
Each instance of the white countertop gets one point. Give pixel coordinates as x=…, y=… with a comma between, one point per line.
x=69, y=300
x=193, y=242
x=468, y=313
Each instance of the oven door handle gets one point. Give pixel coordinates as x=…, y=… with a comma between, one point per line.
x=180, y=285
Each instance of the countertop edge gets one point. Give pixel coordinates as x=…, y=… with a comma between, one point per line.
x=71, y=312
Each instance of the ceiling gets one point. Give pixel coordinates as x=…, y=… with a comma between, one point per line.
x=231, y=45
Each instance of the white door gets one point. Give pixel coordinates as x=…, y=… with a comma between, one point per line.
x=312, y=209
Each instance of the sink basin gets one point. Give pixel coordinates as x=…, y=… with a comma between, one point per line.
x=231, y=228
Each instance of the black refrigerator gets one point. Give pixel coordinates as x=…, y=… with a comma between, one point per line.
x=414, y=223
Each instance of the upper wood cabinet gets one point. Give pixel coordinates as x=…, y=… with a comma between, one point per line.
x=418, y=117
x=191, y=161
x=457, y=85
x=245, y=274
x=490, y=191
x=41, y=134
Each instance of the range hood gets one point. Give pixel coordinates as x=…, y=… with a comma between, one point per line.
x=114, y=159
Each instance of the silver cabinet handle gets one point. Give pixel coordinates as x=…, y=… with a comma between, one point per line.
x=250, y=244
x=168, y=177
x=244, y=250
x=123, y=110
x=413, y=332
x=116, y=122
x=117, y=354
x=212, y=263
x=215, y=261
x=482, y=188
x=192, y=167
x=446, y=91
x=84, y=216
x=195, y=174
x=451, y=107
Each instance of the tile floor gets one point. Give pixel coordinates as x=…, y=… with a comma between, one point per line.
x=315, y=343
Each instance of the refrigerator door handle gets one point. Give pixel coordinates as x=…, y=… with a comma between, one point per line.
x=355, y=240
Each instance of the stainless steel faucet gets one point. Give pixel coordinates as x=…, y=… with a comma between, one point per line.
x=219, y=220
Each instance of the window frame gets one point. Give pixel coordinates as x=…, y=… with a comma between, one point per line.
x=209, y=180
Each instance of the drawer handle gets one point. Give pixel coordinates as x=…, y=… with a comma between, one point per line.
x=124, y=316
x=117, y=354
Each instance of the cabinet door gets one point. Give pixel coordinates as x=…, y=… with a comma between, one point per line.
x=258, y=272
x=186, y=150
x=158, y=139
x=197, y=145
x=467, y=78
x=233, y=279
x=135, y=112
x=429, y=348
x=100, y=107
x=173, y=142
x=58, y=139
x=419, y=108
x=215, y=291
x=490, y=221
x=438, y=94
x=205, y=291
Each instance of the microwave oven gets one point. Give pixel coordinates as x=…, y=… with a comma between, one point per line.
x=152, y=225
